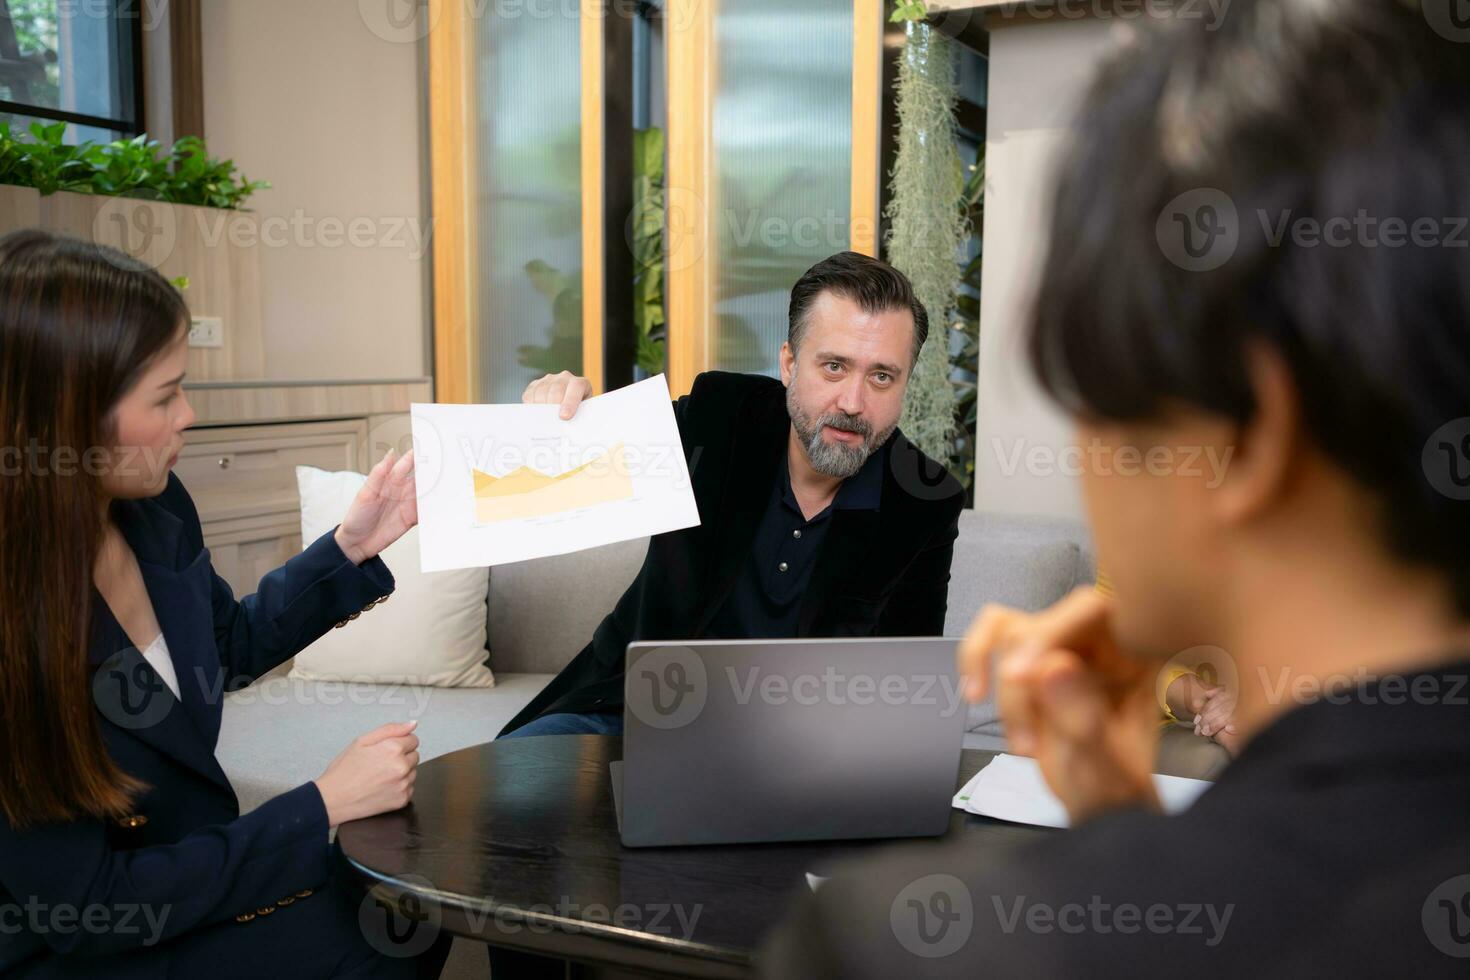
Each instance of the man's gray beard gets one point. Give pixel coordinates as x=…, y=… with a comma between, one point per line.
x=833, y=459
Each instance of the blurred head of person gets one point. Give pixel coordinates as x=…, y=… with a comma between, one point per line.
x=856, y=329
x=92, y=353
x=1255, y=303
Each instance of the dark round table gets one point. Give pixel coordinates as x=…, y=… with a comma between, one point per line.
x=515, y=843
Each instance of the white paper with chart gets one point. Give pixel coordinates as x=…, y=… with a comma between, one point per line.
x=506, y=483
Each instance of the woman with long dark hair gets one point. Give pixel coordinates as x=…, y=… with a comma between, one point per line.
x=122, y=849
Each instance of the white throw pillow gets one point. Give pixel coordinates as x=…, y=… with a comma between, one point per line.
x=431, y=632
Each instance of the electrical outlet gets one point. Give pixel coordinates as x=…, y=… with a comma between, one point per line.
x=207, y=331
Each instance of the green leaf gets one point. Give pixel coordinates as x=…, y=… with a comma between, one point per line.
x=131, y=168
x=648, y=154
x=909, y=10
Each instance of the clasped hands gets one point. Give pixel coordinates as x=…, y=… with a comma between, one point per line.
x=1071, y=698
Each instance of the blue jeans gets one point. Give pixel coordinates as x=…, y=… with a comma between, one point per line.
x=596, y=723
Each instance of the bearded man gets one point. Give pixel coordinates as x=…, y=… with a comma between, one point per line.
x=817, y=517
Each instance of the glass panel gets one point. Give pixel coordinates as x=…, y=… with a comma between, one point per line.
x=61, y=54
x=650, y=159
x=528, y=199
x=782, y=164
x=20, y=127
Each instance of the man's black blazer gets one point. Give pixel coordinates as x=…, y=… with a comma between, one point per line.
x=880, y=573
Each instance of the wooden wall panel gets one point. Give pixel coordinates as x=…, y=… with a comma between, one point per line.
x=455, y=300
x=867, y=116
x=593, y=139
x=218, y=250
x=20, y=207
x=689, y=38
x=186, y=50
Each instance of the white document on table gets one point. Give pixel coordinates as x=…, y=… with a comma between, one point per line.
x=506, y=483
x=1012, y=788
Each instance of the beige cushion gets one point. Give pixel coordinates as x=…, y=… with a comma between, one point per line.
x=432, y=631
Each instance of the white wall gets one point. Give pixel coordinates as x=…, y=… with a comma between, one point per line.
x=1038, y=70
x=305, y=94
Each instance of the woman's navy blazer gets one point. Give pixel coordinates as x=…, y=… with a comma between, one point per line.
x=102, y=898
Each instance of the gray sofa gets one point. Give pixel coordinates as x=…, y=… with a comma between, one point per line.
x=279, y=733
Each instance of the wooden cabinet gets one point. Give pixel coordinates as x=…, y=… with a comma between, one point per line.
x=243, y=480
x=243, y=550
x=240, y=460
x=249, y=470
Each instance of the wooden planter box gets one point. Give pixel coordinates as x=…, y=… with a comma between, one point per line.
x=218, y=250
x=20, y=207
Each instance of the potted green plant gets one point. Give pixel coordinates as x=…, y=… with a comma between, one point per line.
x=186, y=174
x=925, y=227
x=180, y=210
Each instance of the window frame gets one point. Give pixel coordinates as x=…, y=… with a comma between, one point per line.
x=128, y=55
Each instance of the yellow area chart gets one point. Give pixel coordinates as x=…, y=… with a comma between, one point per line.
x=526, y=492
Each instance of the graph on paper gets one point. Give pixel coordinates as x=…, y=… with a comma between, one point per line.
x=528, y=493
x=508, y=483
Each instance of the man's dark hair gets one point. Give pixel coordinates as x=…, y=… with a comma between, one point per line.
x=874, y=285
x=1287, y=111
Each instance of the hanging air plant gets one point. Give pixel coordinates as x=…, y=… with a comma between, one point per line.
x=925, y=228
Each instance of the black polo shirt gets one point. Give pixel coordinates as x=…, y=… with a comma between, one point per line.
x=765, y=600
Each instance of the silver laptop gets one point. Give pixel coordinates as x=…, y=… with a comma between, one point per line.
x=728, y=741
